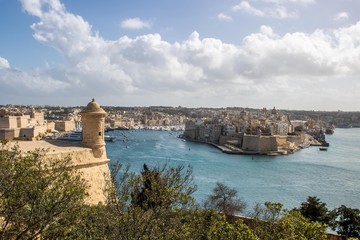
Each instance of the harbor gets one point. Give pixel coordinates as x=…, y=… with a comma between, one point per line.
x=333, y=175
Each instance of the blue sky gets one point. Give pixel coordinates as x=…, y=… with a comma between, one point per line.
x=292, y=54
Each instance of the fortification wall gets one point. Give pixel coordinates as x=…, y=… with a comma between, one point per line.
x=8, y=122
x=23, y=121
x=251, y=143
x=234, y=138
x=281, y=140
x=297, y=140
x=267, y=144
x=94, y=170
x=260, y=144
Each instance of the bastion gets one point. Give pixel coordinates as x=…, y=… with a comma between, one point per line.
x=89, y=156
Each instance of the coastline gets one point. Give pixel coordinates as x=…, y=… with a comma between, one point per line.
x=237, y=151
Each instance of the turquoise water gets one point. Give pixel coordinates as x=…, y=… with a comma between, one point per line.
x=333, y=175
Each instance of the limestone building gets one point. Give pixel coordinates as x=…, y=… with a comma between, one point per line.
x=22, y=126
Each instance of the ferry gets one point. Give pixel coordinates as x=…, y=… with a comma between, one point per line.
x=71, y=136
x=77, y=136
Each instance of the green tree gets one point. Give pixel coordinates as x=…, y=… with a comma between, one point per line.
x=272, y=222
x=315, y=210
x=296, y=227
x=38, y=196
x=150, y=203
x=225, y=200
x=163, y=187
x=347, y=221
x=157, y=204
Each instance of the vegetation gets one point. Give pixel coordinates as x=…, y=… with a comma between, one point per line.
x=347, y=221
x=271, y=221
x=224, y=199
x=37, y=197
x=344, y=220
x=315, y=210
x=43, y=198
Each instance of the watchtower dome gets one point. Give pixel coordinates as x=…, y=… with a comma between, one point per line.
x=93, y=119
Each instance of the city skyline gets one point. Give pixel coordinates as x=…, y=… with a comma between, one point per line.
x=292, y=54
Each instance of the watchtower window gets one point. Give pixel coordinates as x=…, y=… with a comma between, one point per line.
x=99, y=133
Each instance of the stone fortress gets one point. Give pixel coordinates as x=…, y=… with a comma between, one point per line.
x=89, y=156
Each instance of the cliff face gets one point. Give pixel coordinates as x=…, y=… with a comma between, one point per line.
x=94, y=170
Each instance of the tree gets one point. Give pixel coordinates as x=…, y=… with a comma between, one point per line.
x=273, y=222
x=315, y=210
x=163, y=187
x=224, y=199
x=38, y=196
x=347, y=221
x=266, y=219
x=150, y=204
x=295, y=226
x=157, y=204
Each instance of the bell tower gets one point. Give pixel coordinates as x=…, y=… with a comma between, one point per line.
x=93, y=120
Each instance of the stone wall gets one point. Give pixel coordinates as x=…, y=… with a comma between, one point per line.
x=23, y=121
x=267, y=144
x=65, y=126
x=8, y=122
x=259, y=144
x=7, y=133
x=281, y=140
x=234, y=138
x=251, y=143
x=297, y=140
x=94, y=170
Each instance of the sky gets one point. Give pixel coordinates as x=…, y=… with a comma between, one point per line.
x=288, y=54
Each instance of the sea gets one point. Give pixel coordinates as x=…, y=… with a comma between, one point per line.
x=333, y=175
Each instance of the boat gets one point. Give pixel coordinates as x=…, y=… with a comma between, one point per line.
x=71, y=136
x=323, y=148
x=329, y=131
x=122, y=128
x=109, y=138
x=77, y=136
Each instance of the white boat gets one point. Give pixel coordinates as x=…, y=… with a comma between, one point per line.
x=71, y=136
x=109, y=138
x=77, y=136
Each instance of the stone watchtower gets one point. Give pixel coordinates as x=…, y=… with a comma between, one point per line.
x=93, y=120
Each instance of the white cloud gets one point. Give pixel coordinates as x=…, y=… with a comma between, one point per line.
x=341, y=16
x=280, y=12
x=33, y=7
x=276, y=11
x=135, y=23
x=224, y=17
x=4, y=63
x=246, y=7
x=291, y=1
x=146, y=70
